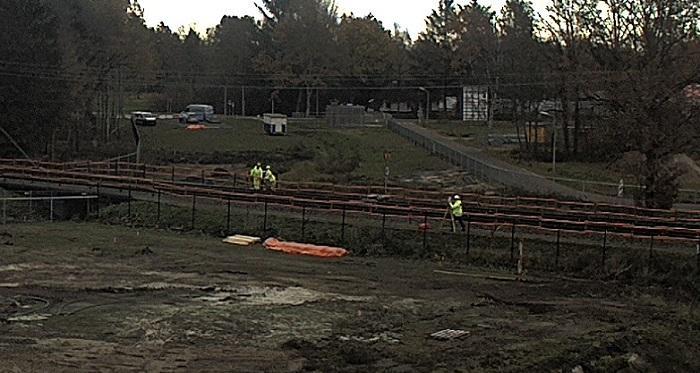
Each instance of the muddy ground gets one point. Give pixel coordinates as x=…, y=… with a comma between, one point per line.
x=89, y=297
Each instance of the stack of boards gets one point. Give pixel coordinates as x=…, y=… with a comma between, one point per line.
x=240, y=240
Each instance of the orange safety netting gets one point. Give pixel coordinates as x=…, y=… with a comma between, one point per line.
x=304, y=249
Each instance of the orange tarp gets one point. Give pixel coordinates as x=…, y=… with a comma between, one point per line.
x=304, y=249
x=196, y=127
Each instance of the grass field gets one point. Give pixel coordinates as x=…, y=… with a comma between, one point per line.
x=311, y=151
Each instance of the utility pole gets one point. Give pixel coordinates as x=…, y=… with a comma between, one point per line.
x=491, y=101
x=243, y=101
x=317, y=113
x=387, y=156
x=427, y=102
x=225, y=100
x=554, y=143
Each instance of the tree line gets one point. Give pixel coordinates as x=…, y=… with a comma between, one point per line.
x=69, y=66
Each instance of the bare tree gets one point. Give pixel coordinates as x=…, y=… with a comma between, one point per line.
x=649, y=47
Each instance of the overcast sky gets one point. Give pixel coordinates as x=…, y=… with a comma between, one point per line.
x=409, y=14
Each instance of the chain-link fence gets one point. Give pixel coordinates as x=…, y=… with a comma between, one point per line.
x=421, y=236
x=493, y=170
x=34, y=206
x=495, y=245
x=489, y=170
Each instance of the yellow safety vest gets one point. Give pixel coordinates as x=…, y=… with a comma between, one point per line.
x=269, y=176
x=457, y=208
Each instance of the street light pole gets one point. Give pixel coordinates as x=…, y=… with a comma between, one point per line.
x=427, y=102
x=225, y=100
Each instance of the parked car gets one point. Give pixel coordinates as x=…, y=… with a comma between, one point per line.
x=199, y=114
x=143, y=118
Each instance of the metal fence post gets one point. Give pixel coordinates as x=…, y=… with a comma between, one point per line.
x=651, y=252
x=469, y=235
x=605, y=247
x=51, y=208
x=512, y=242
x=384, y=231
x=194, y=208
x=342, y=228
x=98, y=200
x=556, y=258
x=235, y=181
x=129, y=204
x=172, y=174
x=303, y=223
x=228, y=216
x=425, y=233
x=158, y=209
x=265, y=218
x=144, y=170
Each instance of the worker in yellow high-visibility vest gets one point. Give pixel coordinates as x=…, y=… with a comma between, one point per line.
x=270, y=179
x=456, y=210
x=256, y=176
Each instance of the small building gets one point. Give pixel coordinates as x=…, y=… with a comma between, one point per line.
x=275, y=124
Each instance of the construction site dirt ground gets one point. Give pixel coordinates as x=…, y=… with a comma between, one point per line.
x=90, y=297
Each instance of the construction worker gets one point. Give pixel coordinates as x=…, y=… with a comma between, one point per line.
x=256, y=176
x=270, y=179
x=457, y=211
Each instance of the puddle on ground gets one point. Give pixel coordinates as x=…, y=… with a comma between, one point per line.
x=263, y=296
x=18, y=267
x=21, y=267
x=387, y=337
x=29, y=318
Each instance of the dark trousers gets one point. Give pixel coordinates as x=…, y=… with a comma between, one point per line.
x=460, y=220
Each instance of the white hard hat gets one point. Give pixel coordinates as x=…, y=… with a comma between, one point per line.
x=457, y=196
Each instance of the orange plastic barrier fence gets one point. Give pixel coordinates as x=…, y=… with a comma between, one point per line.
x=304, y=249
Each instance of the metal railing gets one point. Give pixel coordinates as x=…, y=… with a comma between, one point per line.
x=41, y=207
